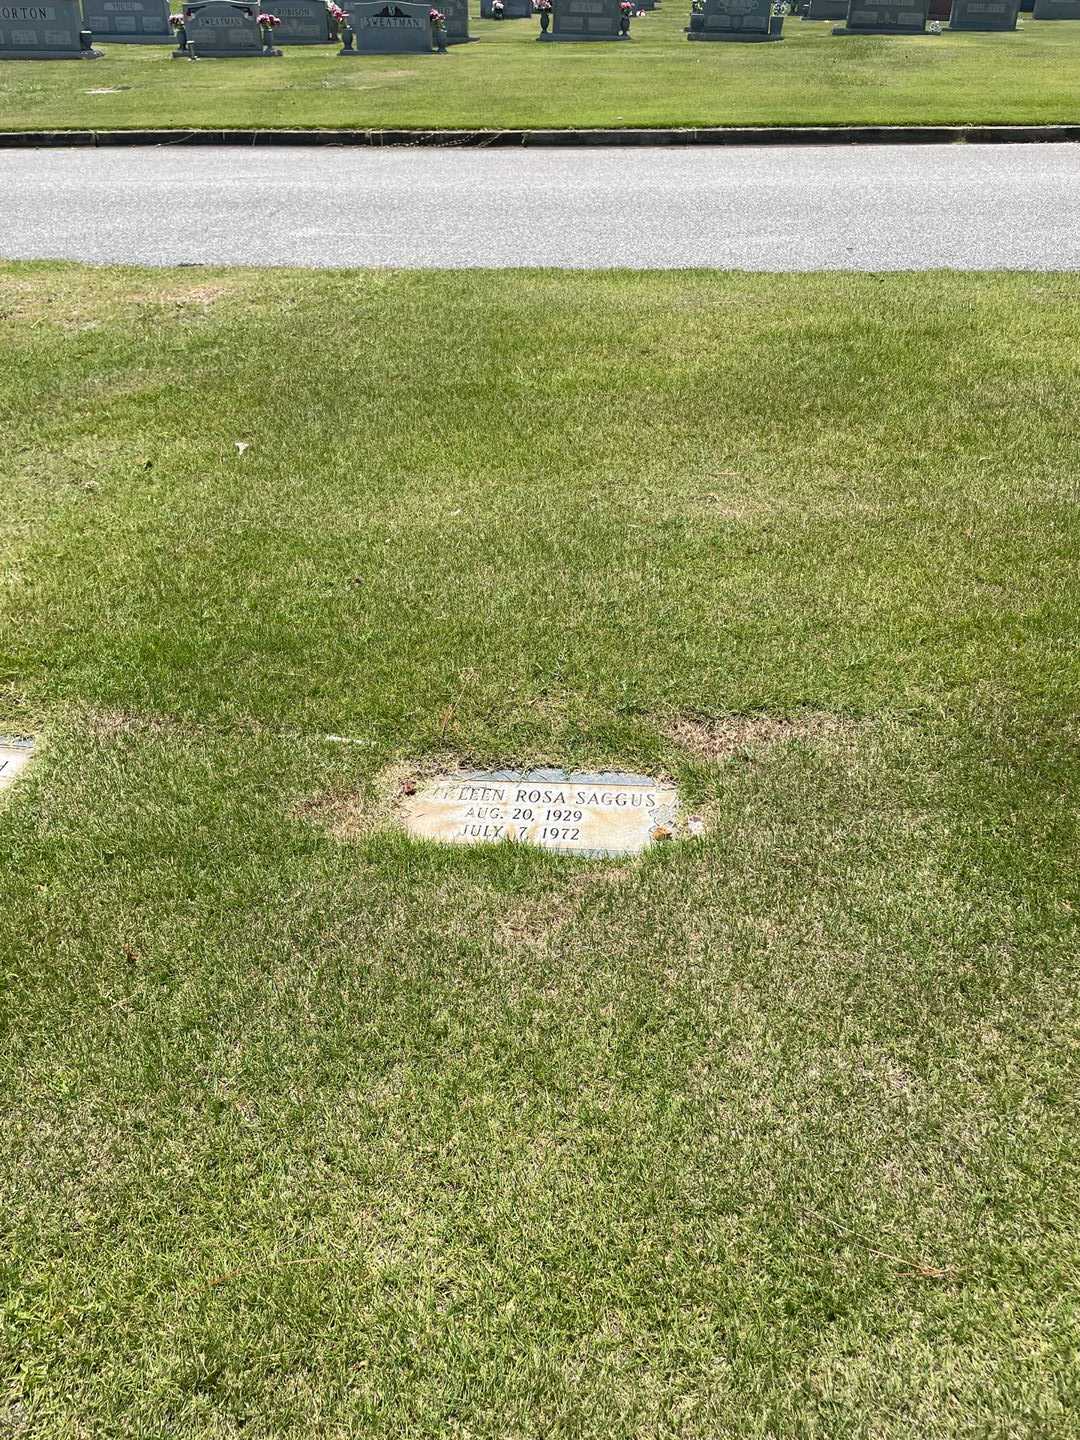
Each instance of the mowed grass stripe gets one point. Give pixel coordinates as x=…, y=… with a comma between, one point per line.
x=311, y=1130
x=504, y=79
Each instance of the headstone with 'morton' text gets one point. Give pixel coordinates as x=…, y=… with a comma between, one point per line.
x=44, y=30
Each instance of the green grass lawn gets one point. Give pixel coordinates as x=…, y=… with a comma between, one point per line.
x=312, y=1131
x=506, y=79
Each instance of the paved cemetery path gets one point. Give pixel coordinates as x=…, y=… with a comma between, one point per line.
x=873, y=208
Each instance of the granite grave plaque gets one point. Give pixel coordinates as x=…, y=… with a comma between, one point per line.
x=223, y=30
x=129, y=22
x=14, y=757
x=303, y=22
x=984, y=14
x=512, y=9
x=400, y=27
x=595, y=816
x=885, y=17
x=584, y=20
x=736, y=20
x=826, y=10
x=1056, y=10
x=48, y=30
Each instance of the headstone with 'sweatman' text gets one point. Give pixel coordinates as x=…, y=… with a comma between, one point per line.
x=223, y=30
x=397, y=28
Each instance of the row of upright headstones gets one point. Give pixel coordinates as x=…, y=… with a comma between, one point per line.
x=60, y=29
x=65, y=29
x=755, y=20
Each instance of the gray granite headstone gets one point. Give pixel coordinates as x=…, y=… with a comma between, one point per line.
x=584, y=20
x=457, y=21
x=512, y=9
x=984, y=14
x=827, y=10
x=399, y=27
x=222, y=30
x=129, y=22
x=736, y=20
x=1056, y=10
x=885, y=17
x=303, y=22
x=46, y=30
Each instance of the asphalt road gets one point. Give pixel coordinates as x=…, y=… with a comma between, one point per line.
x=973, y=207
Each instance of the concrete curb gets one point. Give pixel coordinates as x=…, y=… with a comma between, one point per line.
x=503, y=139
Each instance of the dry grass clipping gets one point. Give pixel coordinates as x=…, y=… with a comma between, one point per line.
x=351, y=815
x=725, y=737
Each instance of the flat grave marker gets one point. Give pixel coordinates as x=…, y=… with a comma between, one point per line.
x=129, y=22
x=595, y=816
x=15, y=756
x=46, y=30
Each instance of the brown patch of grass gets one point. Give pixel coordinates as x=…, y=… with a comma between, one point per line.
x=26, y=303
x=111, y=724
x=119, y=386
x=351, y=815
x=75, y=302
x=723, y=737
x=203, y=294
x=532, y=923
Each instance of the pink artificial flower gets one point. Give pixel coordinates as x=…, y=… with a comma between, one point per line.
x=267, y=21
